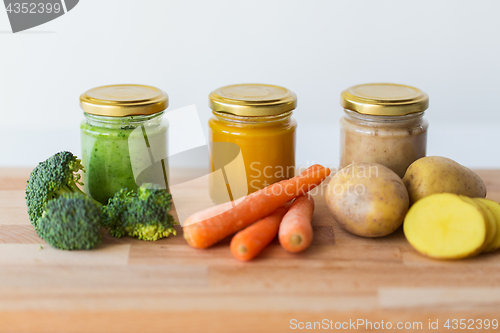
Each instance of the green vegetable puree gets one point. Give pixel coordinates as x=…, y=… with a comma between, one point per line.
x=121, y=153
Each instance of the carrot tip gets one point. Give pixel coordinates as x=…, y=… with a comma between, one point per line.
x=242, y=249
x=296, y=240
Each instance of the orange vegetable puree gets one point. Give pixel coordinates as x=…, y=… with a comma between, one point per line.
x=267, y=146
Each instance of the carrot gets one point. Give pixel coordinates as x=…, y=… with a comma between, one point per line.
x=249, y=242
x=205, y=228
x=296, y=233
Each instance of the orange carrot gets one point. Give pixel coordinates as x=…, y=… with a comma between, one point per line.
x=249, y=242
x=205, y=228
x=296, y=233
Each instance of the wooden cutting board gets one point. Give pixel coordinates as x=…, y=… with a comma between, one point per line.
x=127, y=285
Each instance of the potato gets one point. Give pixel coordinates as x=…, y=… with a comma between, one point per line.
x=445, y=226
x=367, y=199
x=435, y=174
x=495, y=210
x=491, y=225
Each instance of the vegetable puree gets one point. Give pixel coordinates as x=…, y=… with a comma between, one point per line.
x=252, y=138
x=383, y=123
x=395, y=145
x=116, y=156
x=124, y=139
x=267, y=146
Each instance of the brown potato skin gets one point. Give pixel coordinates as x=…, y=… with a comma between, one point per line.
x=436, y=174
x=375, y=212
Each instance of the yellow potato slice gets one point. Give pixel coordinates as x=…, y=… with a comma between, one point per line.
x=491, y=225
x=444, y=226
x=495, y=209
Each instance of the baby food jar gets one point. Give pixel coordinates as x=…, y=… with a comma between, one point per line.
x=252, y=139
x=383, y=123
x=124, y=139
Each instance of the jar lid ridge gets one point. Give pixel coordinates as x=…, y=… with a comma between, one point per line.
x=122, y=100
x=384, y=99
x=252, y=99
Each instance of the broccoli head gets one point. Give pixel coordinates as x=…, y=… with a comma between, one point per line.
x=71, y=222
x=113, y=211
x=52, y=178
x=142, y=213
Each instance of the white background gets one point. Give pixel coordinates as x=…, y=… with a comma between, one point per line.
x=450, y=49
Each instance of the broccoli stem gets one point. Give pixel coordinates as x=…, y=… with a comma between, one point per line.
x=67, y=189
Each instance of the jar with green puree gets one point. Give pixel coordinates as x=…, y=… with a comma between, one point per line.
x=124, y=139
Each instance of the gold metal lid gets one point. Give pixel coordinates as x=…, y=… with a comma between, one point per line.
x=122, y=100
x=384, y=99
x=252, y=100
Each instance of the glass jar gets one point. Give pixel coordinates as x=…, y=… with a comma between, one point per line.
x=383, y=123
x=255, y=122
x=124, y=139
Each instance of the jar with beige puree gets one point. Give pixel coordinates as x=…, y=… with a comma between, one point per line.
x=383, y=123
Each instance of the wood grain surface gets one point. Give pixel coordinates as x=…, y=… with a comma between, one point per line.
x=128, y=285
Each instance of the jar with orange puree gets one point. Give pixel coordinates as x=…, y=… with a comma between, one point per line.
x=256, y=121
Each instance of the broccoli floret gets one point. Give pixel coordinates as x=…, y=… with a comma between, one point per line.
x=142, y=213
x=52, y=178
x=71, y=222
x=113, y=211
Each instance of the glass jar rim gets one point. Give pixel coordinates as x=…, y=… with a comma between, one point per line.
x=130, y=119
x=384, y=118
x=252, y=119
